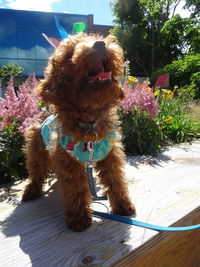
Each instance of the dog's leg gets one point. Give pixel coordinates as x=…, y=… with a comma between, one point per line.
x=75, y=191
x=37, y=164
x=112, y=176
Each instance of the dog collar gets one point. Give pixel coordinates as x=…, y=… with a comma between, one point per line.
x=89, y=126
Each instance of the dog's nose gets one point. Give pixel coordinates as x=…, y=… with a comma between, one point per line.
x=100, y=46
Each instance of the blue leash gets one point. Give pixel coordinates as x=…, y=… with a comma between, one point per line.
x=130, y=221
x=92, y=185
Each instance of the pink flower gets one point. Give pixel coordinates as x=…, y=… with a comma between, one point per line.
x=9, y=107
x=22, y=107
x=141, y=98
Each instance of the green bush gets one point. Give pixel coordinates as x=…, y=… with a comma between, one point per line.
x=12, y=166
x=141, y=134
x=11, y=70
x=175, y=118
x=183, y=73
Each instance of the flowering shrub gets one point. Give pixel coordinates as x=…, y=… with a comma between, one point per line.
x=174, y=119
x=21, y=107
x=140, y=97
x=17, y=111
x=153, y=118
x=138, y=109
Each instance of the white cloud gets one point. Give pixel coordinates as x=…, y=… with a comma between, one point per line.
x=37, y=5
x=2, y=4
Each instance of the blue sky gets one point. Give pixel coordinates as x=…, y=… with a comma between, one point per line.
x=99, y=8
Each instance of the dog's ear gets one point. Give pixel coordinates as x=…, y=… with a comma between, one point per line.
x=59, y=81
x=116, y=56
x=122, y=94
x=46, y=91
x=116, y=62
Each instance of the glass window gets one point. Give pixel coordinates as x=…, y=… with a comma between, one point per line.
x=43, y=49
x=28, y=65
x=40, y=67
x=8, y=45
x=26, y=44
x=21, y=39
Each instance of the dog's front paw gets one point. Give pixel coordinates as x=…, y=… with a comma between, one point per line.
x=124, y=208
x=79, y=224
x=31, y=192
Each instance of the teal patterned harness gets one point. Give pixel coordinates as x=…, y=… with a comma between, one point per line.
x=49, y=131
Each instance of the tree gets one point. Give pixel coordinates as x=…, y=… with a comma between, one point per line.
x=151, y=35
x=180, y=36
x=131, y=31
x=194, y=7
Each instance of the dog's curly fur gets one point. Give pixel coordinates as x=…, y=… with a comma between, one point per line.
x=75, y=99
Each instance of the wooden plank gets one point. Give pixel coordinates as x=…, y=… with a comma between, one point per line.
x=166, y=190
x=169, y=248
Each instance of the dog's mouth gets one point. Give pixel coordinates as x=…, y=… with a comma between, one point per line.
x=99, y=78
x=103, y=76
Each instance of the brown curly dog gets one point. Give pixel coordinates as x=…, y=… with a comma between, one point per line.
x=82, y=85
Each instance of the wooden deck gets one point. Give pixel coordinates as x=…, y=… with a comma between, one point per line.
x=166, y=191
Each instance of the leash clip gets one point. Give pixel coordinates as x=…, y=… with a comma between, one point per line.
x=89, y=169
x=90, y=148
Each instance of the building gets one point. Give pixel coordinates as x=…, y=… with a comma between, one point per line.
x=21, y=39
x=101, y=29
